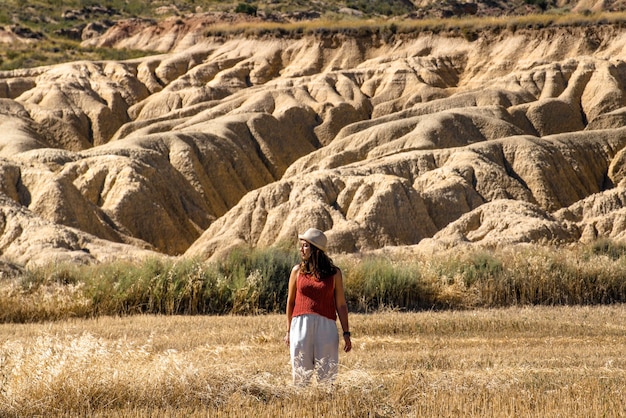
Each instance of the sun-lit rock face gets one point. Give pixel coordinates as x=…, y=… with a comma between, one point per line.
x=383, y=142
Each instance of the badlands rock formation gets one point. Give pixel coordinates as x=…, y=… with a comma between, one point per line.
x=425, y=140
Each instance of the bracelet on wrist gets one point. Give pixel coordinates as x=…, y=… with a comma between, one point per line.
x=346, y=333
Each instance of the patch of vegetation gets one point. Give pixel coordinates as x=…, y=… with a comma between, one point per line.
x=254, y=281
x=54, y=27
x=378, y=283
x=382, y=7
x=542, y=4
x=610, y=248
x=246, y=8
x=59, y=51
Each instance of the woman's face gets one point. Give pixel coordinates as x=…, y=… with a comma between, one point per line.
x=305, y=249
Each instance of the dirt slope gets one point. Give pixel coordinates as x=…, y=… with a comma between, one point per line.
x=431, y=140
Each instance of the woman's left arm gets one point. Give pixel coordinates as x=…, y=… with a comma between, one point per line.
x=342, y=310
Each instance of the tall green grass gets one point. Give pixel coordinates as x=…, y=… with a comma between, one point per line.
x=375, y=283
x=247, y=282
x=254, y=281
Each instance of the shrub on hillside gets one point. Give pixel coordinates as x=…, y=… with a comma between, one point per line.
x=381, y=7
x=246, y=8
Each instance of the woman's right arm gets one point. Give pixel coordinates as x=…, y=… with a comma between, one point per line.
x=291, y=298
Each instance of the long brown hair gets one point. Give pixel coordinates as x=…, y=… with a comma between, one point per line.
x=319, y=264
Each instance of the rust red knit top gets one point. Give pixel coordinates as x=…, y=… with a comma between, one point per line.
x=315, y=296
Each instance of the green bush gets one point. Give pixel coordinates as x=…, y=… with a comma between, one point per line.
x=542, y=4
x=246, y=8
x=379, y=283
x=260, y=275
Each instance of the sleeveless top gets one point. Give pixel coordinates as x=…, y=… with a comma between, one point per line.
x=315, y=296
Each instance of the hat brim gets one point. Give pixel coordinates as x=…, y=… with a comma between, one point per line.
x=302, y=237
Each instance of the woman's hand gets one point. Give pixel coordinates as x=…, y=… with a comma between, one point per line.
x=347, y=343
x=286, y=339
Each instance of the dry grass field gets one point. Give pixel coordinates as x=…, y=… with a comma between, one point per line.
x=514, y=362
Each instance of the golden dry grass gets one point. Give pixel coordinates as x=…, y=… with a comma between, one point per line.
x=530, y=21
x=515, y=362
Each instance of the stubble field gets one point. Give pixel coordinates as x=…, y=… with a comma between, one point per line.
x=514, y=362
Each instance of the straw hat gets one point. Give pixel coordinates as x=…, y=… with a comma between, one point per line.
x=315, y=237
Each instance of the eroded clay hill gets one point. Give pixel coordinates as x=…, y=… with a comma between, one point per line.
x=429, y=140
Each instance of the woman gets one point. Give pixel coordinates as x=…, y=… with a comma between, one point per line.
x=315, y=300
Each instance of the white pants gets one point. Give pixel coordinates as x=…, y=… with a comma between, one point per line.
x=314, y=346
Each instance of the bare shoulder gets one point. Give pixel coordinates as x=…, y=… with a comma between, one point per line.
x=295, y=268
